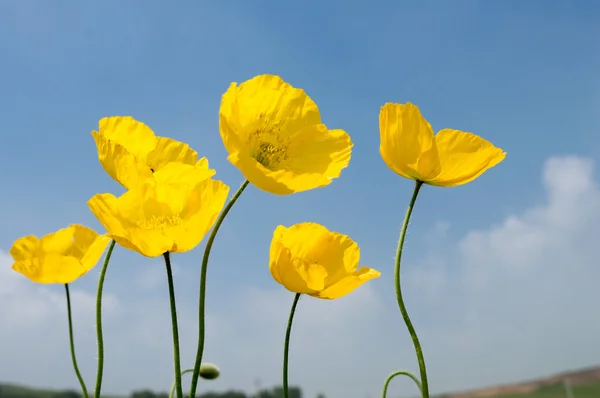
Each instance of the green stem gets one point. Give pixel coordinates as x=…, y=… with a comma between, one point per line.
x=176, y=360
x=175, y=382
x=99, y=321
x=72, y=344
x=286, y=347
x=203, y=271
x=399, y=373
x=409, y=325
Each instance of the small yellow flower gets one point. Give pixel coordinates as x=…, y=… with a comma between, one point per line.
x=162, y=214
x=130, y=152
x=59, y=257
x=307, y=258
x=448, y=159
x=274, y=135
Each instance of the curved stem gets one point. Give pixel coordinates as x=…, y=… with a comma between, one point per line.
x=286, y=347
x=175, y=381
x=409, y=325
x=203, y=271
x=176, y=360
x=399, y=373
x=72, y=344
x=99, y=321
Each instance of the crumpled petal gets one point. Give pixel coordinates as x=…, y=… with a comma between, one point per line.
x=464, y=157
x=450, y=158
x=307, y=258
x=274, y=136
x=162, y=216
x=59, y=257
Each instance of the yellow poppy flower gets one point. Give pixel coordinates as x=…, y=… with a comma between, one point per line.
x=130, y=152
x=307, y=258
x=160, y=216
x=274, y=135
x=448, y=159
x=59, y=257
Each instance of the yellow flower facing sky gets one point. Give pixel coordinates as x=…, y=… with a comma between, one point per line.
x=448, y=159
x=58, y=257
x=130, y=152
x=309, y=259
x=168, y=213
x=274, y=135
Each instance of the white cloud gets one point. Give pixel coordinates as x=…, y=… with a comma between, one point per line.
x=26, y=306
x=246, y=340
x=331, y=340
x=512, y=301
x=34, y=334
x=522, y=293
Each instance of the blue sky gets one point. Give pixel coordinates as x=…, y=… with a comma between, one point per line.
x=520, y=74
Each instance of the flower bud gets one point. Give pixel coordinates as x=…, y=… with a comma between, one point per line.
x=209, y=371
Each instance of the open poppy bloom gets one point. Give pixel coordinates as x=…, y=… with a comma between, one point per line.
x=58, y=257
x=274, y=135
x=130, y=152
x=159, y=216
x=309, y=259
x=448, y=159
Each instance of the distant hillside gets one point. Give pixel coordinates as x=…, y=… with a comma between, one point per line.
x=574, y=378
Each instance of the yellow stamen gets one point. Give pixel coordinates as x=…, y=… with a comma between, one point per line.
x=159, y=222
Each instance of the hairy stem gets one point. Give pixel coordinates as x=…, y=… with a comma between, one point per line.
x=72, y=344
x=175, y=381
x=176, y=360
x=286, y=347
x=202, y=298
x=399, y=373
x=403, y=311
x=99, y=336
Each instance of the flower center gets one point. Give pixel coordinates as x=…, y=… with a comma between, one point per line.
x=159, y=222
x=270, y=155
x=269, y=148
